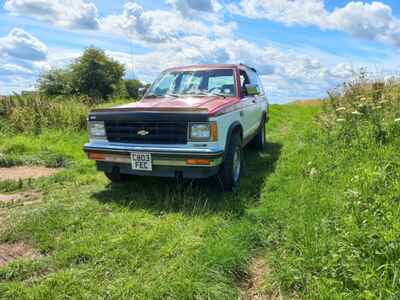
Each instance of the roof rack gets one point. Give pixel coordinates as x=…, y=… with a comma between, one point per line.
x=251, y=68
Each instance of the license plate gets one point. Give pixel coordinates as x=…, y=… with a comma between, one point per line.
x=141, y=161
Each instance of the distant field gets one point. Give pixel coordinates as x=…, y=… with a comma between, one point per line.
x=321, y=216
x=308, y=102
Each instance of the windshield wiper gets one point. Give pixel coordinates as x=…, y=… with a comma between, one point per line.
x=218, y=94
x=172, y=95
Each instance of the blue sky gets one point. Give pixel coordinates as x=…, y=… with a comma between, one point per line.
x=301, y=48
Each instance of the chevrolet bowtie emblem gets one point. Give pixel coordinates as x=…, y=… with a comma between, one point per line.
x=143, y=132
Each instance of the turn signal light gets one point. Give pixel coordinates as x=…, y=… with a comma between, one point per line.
x=214, y=131
x=198, y=161
x=96, y=156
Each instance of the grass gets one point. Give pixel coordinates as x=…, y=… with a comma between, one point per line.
x=130, y=241
x=324, y=215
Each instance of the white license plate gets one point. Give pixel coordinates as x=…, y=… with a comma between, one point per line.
x=141, y=161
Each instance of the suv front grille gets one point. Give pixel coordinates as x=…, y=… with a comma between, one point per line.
x=157, y=132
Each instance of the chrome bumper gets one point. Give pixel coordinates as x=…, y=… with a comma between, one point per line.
x=162, y=156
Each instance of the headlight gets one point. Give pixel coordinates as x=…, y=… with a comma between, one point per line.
x=97, y=130
x=204, y=132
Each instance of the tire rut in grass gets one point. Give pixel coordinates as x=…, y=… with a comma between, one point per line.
x=252, y=288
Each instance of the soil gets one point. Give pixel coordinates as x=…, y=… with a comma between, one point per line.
x=10, y=252
x=23, y=197
x=25, y=172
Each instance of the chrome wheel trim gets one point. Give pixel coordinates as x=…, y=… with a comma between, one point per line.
x=237, y=165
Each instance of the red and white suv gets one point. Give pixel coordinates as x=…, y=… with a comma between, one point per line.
x=193, y=122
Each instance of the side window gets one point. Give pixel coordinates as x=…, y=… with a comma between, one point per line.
x=244, y=79
x=254, y=79
x=261, y=85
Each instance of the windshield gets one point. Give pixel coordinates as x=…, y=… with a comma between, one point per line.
x=219, y=82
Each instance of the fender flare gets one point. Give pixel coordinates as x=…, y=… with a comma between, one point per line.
x=234, y=126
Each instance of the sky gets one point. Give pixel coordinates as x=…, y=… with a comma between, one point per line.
x=300, y=48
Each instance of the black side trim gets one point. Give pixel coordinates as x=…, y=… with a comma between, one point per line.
x=147, y=116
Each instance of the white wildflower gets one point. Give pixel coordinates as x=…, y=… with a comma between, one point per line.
x=340, y=120
x=357, y=113
x=397, y=120
x=354, y=194
x=383, y=101
x=341, y=108
x=313, y=172
x=363, y=99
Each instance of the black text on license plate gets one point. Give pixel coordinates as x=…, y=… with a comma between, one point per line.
x=141, y=161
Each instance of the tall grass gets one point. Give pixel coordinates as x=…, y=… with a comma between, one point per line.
x=34, y=113
x=333, y=207
x=364, y=111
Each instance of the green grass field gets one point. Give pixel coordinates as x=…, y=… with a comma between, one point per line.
x=324, y=215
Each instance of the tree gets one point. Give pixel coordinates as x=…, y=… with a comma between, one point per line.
x=55, y=82
x=132, y=87
x=95, y=74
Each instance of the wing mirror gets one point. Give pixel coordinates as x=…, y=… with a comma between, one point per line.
x=251, y=90
x=142, y=91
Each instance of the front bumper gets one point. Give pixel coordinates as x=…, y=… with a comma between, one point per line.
x=167, y=161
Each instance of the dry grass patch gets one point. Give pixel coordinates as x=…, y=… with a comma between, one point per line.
x=308, y=102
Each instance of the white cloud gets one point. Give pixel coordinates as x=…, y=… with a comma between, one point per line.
x=8, y=69
x=22, y=45
x=372, y=21
x=286, y=75
x=191, y=7
x=157, y=26
x=22, y=58
x=70, y=14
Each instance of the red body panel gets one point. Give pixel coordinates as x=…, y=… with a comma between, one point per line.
x=210, y=104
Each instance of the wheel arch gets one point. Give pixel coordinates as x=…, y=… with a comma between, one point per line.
x=234, y=127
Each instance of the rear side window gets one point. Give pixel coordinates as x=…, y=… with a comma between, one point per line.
x=254, y=79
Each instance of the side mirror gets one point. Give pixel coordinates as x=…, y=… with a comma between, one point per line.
x=252, y=90
x=142, y=91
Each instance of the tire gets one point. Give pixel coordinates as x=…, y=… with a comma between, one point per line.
x=117, y=177
x=259, y=140
x=230, y=171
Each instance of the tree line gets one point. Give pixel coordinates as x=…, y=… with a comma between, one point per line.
x=94, y=75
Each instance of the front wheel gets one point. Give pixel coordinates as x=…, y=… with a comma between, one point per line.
x=259, y=140
x=231, y=169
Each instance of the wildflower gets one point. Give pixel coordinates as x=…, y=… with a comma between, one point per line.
x=397, y=120
x=340, y=120
x=354, y=194
x=377, y=107
x=357, y=113
x=363, y=99
x=313, y=172
x=341, y=108
x=383, y=101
